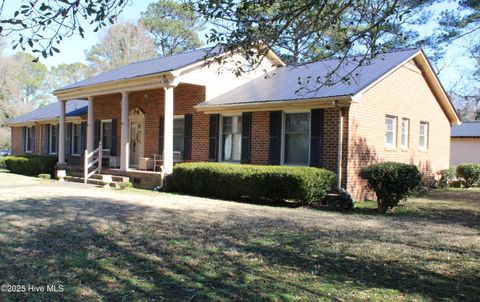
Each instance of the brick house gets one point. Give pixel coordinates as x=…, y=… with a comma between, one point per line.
x=392, y=109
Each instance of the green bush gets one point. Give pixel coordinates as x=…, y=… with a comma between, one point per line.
x=392, y=182
x=470, y=173
x=302, y=185
x=44, y=176
x=2, y=163
x=31, y=165
x=125, y=185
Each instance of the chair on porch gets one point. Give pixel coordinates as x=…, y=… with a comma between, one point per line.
x=158, y=160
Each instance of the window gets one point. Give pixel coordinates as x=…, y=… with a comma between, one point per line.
x=297, y=138
x=178, y=133
x=76, y=139
x=423, y=142
x=106, y=135
x=391, y=131
x=231, y=138
x=405, y=132
x=29, y=139
x=53, y=139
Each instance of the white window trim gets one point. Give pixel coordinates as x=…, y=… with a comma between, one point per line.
x=220, y=139
x=50, y=139
x=177, y=117
x=427, y=134
x=72, y=138
x=101, y=128
x=26, y=141
x=282, y=139
x=407, y=145
x=395, y=121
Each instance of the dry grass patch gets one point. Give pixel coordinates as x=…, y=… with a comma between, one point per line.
x=112, y=245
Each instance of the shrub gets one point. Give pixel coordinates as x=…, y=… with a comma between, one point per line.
x=31, y=165
x=470, y=173
x=392, y=182
x=124, y=185
x=302, y=185
x=446, y=175
x=2, y=163
x=44, y=176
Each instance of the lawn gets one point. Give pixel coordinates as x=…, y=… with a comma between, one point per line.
x=102, y=244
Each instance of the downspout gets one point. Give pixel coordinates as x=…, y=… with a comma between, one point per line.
x=40, y=140
x=340, y=145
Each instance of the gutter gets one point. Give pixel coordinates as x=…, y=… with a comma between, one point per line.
x=340, y=145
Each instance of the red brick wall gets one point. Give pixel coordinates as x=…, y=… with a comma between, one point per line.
x=17, y=148
x=151, y=102
x=260, y=137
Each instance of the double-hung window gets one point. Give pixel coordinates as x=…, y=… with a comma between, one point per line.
x=178, y=134
x=296, y=138
x=231, y=135
x=29, y=139
x=405, y=132
x=76, y=138
x=423, y=140
x=53, y=143
x=390, y=131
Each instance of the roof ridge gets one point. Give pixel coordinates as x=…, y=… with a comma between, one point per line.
x=393, y=50
x=168, y=56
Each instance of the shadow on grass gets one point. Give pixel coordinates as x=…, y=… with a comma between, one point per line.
x=100, y=249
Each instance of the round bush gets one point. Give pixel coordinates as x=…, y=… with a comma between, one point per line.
x=392, y=182
x=470, y=173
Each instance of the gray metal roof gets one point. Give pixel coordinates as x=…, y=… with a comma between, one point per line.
x=52, y=111
x=148, y=67
x=466, y=129
x=283, y=83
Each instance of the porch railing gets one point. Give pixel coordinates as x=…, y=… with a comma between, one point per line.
x=96, y=161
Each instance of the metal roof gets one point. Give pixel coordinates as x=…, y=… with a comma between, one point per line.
x=283, y=83
x=466, y=129
x=50, y=112
x=148, y=67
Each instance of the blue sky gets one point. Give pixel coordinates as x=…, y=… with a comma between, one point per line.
x=73, y=49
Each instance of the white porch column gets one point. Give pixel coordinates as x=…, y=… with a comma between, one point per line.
x=124, y=145
x=168, y=134
x=61, y=132
x=90, y=126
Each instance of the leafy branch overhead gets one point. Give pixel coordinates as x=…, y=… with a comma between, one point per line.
x=42, y=25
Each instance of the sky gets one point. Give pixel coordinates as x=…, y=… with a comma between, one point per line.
x=73, y=48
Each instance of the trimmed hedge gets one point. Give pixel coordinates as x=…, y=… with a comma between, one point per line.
x=391, y=181
x=302, y=185
x=470, y=173
x=31, y=165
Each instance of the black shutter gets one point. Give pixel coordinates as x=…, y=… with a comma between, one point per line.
x=161, y=133
x=213, y=137
x=97, y=129
x=24, y=139
x=33, y=139
x=187, y=138
x=113, y=150
x=68, y=147
x=47, y=138
x=246, y=137
x=82, y=137
x=316, y=137
x=275, y=137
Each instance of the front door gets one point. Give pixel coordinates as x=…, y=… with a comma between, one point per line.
x=136, y=141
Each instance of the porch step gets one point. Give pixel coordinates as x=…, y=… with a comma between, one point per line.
x=93, y=181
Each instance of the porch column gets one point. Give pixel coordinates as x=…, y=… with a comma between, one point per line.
x=124, y=145
x=90, y=126
x=61, y=133
x=168, y=131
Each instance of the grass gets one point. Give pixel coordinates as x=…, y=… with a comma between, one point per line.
x=142, y=246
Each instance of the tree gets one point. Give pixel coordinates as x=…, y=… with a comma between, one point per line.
x=306, y=30
x=174, y=26
x=42, y=25
x=29, y=77
x=121, y=45
x=65, y=74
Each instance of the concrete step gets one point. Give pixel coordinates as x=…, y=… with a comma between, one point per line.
x=93, y=181
x=114, y=178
